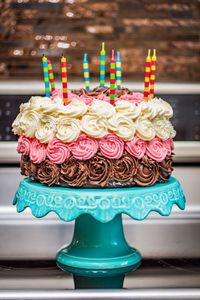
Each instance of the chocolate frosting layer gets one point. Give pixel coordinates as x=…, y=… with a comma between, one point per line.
x=125, y=168
x=74, y=172
x=147, y=173
x=48, y=173
x=165, y=169
x=100, y=170
x=98, y=90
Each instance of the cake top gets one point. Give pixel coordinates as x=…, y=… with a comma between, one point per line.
x=91, y=113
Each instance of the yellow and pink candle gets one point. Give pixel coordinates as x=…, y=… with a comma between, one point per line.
x=147, y=75
x=46, y=76
x=64, y=80
x=102, y=66
x=112, y=78
x=51, y=75
x=152, y=74
x=86, y=72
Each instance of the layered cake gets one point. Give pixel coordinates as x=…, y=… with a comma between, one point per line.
x=92, y=143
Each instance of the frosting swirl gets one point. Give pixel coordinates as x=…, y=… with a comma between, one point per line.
x=147, y=173
x=100, y=170
x=46, y=130
x=125, y=168
x=94, y=126
x=111, y=146
x=156, y=150
x=68, y=129
x=122, y=126
x=165, y=169
x=29, y=122
x=144, y=129
x=57, y=151
x=84, y=148
x=48, y=173
x=136, y=147
x=101, y=109
x=37, y=151
x=74, y=172
x=24, y=145
x=128, y=109
x=164, y=128
x=75, y=109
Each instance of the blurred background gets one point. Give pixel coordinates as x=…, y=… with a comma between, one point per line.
x=30, y=28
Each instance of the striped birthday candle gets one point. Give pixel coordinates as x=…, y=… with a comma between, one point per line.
x=51, y=76
x=102, y=66
x=112, y=78
x=46, y=76
x=118, y=71
x=86, y=73
x=64, y=79
x=152, y=74
x=147, y=75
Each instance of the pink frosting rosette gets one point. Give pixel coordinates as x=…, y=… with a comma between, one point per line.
x=57, y=151
x=38, y=151
x=84, y=148
x=103, y=97
x=156, y=150
x=86, y=99
x=169, y=144
x=136, y=147
x=24, y=145
x=111, y=146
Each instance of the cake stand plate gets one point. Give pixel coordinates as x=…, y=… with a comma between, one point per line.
x=98, y=256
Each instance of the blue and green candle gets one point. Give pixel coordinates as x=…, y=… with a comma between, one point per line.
x=46, y=76
x=118, y=71
x=86, y=73
x=102, y=66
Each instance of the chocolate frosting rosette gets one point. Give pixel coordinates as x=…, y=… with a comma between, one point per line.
x=165, y=169
x=48, y=173
x=147, y=173
x=125, y=168
x=74, y=172
x=100, y=170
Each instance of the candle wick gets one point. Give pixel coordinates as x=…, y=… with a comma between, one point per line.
x=154, y=52
x=113, y=54
x=149, y=52
x=103, y=44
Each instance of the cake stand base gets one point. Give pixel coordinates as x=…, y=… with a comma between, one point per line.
x=98, y=256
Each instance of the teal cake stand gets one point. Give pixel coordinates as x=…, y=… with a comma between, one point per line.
x=98, y=256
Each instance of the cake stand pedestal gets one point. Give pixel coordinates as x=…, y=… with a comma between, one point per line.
x=98, y=256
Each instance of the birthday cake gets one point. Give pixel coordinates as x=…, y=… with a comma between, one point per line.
x=91, y=143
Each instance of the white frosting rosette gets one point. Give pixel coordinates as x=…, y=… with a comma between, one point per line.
x=16, y=128
x=163, y=109
x=68, y=129
x=122, y=126
x=148, y=110
x=102, y=109
x=46, y=129
x=29, y=122
x=164, y=128
x=94, y=126
x=75, y=109
x=128, y=109
x=145, y=129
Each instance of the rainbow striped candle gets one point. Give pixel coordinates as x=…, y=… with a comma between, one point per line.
x=112, y=78
x=102, y=66
x=64, y=79
x=147, y=75
x=46, y=76
x=118, y=70
x=152, y=74
x=86, y=73
x=51, y=76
